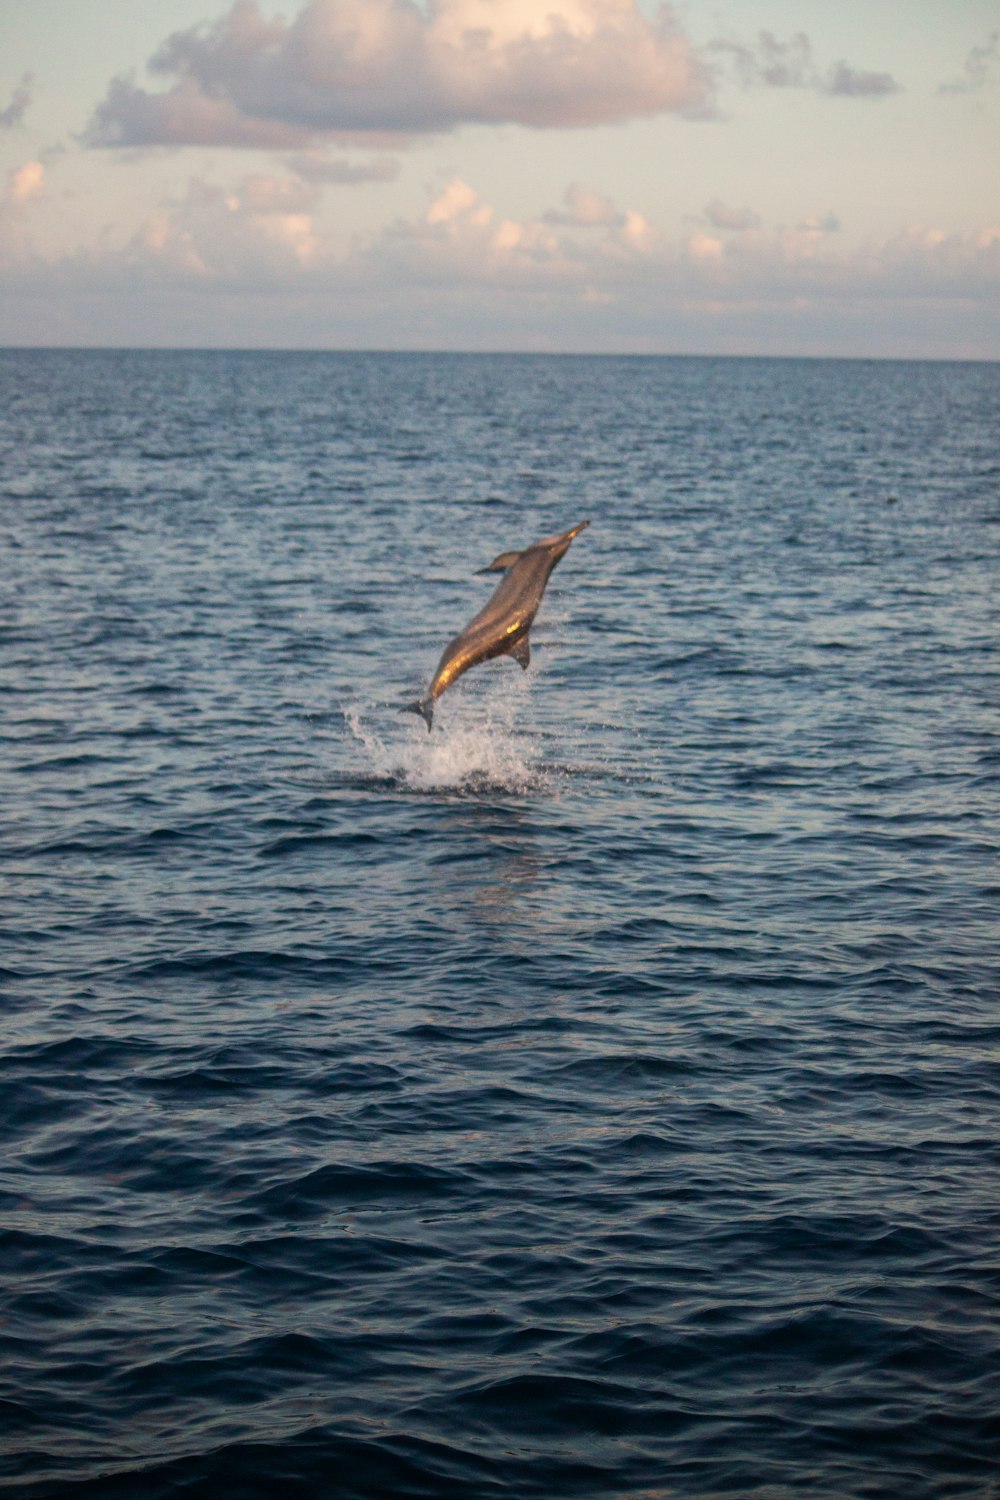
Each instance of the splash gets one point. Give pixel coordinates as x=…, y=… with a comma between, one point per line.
x=462, y=754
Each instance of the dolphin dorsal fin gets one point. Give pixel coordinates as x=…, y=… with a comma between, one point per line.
x=502, y=563
x=521, y=651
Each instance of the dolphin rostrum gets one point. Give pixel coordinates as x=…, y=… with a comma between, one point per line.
x=501, y=628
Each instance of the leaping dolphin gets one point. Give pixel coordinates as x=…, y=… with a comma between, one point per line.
x=501, y=628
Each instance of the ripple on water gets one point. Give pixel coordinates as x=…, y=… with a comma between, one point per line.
x=594, y=1097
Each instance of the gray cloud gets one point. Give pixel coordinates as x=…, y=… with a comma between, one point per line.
x=372, y=67
x=15, y=111
x=129, y=116
x=720, y=216
x=777, y=64
x=979, y=69
x=856, y=83
x=827, y=223
x=315, y=167
x=791, y=65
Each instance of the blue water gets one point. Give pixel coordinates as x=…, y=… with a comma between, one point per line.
x=597, y=1097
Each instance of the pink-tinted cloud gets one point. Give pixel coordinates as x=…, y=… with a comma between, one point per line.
x=262, y=232
x=462, y=241
x=254, y=264
x=585, y=209
x=26, y=182
x=462, y=244
x=371, y=67
x=13, y=113
x=791, y=65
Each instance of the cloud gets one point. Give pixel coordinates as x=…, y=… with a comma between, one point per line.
x=585, y=209
x=461, y=246
x=856, y=83
x=185, y=116
x=456, y=203
x=979, y=69
x=25, y=183
x=928, y=260
x=263, y=238
x=20, y=99
x=827, y=223
x=259, y=194
x=314, y=166
x=368, y=68
x=262, y=232
x=921, y=262
x=720, y=216
x=461, y=241
x=252, y=264
x=790, y=65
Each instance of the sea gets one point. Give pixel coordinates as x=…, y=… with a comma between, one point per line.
x=594, y=1097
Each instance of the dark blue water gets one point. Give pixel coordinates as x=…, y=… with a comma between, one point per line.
x=597, y=1097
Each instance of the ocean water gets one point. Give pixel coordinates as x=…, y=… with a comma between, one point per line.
x=596, y=1097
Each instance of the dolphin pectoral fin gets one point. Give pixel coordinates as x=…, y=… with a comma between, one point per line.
x=422, y=706
x=521, y=652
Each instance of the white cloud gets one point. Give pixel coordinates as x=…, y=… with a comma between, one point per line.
x=371, y=68
x=13, y=113
x=790, y=65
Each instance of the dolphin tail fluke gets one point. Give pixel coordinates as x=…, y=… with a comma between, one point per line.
x=422, y=706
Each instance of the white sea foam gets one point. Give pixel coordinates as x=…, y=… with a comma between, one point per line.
x=471, y=747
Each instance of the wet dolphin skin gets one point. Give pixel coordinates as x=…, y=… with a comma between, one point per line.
x=501, y=626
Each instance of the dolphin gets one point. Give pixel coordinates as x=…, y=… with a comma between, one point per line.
x=501, y=627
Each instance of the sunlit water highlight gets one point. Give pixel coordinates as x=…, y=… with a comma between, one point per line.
x=595, y=1097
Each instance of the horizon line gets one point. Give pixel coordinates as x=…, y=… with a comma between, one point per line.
x=939, y=359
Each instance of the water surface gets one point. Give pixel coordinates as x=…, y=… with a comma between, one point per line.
x=596, y=1097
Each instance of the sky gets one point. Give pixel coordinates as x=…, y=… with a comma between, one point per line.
x=782, y=177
